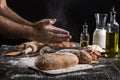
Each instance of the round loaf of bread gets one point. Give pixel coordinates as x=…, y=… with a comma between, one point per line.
x=56, y=61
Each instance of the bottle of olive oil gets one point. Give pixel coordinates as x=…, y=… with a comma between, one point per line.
x=112, y=37
x=84, y=36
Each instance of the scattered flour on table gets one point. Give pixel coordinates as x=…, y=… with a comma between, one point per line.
x=23, y=62
x=29, y=62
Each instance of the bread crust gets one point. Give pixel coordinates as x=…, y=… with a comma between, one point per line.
x=56, y=61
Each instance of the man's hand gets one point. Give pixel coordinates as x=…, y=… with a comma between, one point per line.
x=47, y=33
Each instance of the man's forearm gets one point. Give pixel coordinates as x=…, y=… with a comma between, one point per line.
x=10, y=14
x=12, y=29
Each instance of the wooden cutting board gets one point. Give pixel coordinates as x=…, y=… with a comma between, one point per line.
x=78, y=67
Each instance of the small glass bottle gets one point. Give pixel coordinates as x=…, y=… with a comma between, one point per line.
x=112, y=37
x=84, y=36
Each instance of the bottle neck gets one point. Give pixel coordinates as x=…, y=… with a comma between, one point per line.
x=113, y=18
x=101, y=20
x=100, y=26
x=85, y=29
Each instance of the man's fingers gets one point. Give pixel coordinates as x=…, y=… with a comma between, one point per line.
x=48, y=21
x=56, y=40
x=52, y=21
x=60, y=37
x=58, y=30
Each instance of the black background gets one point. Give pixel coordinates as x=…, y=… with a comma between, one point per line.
x=70, y=14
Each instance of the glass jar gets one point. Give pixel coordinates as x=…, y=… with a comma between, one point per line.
x=99, y=35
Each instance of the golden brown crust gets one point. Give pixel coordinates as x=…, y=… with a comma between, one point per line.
x=84, y=57
x=56, y=61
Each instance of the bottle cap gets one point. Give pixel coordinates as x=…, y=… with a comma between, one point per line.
x=85, y=25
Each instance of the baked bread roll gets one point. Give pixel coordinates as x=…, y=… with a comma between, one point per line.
x=56, y=61
x=83, y=56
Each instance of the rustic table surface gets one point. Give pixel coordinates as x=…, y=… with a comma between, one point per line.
x=107, y=69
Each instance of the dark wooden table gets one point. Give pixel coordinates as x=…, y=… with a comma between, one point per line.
x=107, y=69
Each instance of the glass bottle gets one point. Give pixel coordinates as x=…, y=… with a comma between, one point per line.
x=99, y=35
x=84, y=36
x=112, y=36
